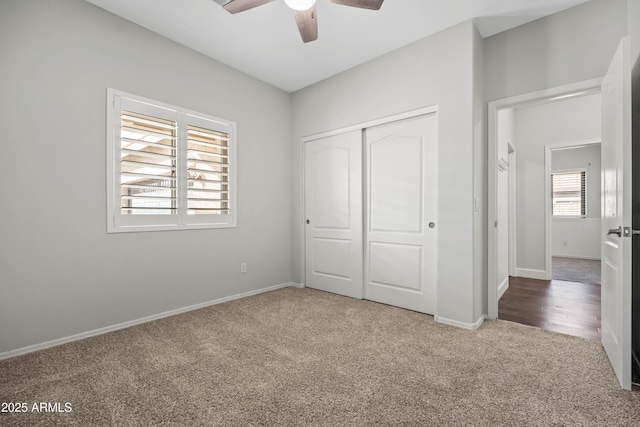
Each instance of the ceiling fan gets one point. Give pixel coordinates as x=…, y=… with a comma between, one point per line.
x=304, y=11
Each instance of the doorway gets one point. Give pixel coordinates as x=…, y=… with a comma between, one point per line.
x=573, y=174
x=569, y=301
x=531, y=250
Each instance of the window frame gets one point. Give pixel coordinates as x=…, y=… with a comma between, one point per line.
x=583, y=191
x=117, y=101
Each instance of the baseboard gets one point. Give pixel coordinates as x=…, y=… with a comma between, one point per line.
x=502, y=288
x=106, y=329
x=463, y=325
x=530, y=273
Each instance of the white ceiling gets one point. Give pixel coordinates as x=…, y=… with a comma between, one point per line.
x=264, y=42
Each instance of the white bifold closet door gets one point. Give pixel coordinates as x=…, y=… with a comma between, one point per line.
x=371, y=206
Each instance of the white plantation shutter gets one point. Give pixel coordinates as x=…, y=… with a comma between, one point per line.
x=568, y=193
x=208, y=169
x=167, y=168
x=148, y=165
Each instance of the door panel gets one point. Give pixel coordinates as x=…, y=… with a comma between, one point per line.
x=333, y=207
x=396, y=266
x=331, y=169
x=395, y=167
x=616, y=212
x=332, y=257
x=401, y=256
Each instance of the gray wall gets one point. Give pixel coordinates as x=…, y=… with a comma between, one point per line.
x=570, y=46
x=480, y=180
x=60, y=273
x=438, y=70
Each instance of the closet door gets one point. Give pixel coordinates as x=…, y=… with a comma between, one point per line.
x=333, y=207
x=401, y=223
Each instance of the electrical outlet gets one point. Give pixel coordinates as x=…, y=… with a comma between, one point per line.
x=243, y=267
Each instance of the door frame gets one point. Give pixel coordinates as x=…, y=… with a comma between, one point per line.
x=357, y=126
x=586, y=87
x=513, y=242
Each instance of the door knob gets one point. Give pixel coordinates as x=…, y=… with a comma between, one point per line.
x=308, y=221
x=617, y=231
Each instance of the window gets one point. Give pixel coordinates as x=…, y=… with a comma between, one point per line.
x=167, y=168
x=568, y=193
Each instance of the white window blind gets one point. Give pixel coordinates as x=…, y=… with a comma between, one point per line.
x=168, y=168
x=568, y=193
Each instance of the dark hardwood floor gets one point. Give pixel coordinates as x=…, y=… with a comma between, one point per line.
x=567, y=307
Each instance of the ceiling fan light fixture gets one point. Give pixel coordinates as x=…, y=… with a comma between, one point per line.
x=300, y=4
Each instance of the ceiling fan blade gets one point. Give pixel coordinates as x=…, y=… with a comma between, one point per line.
x=235, y=6
x=307, y=23
x=363, y=4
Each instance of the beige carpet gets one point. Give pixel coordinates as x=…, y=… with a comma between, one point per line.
x=304, y=357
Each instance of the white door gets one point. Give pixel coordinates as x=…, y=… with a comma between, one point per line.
x=333, y=206
x=401, y=214
x=616, y=214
